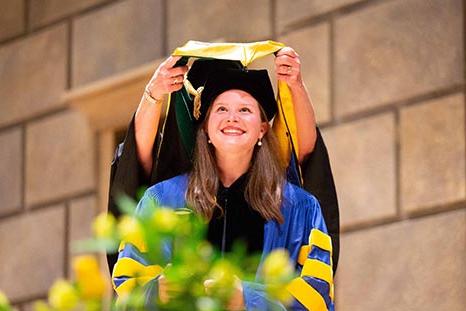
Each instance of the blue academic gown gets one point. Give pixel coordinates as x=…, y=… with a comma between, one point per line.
x=303, y=234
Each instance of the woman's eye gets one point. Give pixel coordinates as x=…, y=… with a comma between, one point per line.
x=245, y=109
x=221, y=108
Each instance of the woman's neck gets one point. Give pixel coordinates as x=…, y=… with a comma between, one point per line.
x=232, y=166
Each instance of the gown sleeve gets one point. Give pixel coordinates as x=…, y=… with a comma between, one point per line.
x=133, y=268
x=318, y=180
x=313, y=289
x=127, y=174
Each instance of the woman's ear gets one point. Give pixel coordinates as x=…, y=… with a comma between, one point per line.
x=264, y=128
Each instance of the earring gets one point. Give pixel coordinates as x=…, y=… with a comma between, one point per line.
x=209, y=141
x=259, y=143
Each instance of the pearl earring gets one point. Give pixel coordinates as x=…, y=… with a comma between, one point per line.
x=259, y=143
x=209, y=141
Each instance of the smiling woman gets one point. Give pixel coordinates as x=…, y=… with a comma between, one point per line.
x=237, y=178
x=234, y=139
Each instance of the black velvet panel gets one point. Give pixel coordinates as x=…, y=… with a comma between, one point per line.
x=240, y=221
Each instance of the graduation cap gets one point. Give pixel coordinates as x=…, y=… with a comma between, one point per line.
x=255, y=82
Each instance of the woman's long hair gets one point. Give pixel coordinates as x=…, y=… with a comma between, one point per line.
x=265, y=183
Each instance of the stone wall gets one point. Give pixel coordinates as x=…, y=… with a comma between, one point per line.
x=387, y=79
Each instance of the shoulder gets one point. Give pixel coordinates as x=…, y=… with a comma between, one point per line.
x=179, y=182
x=302, y=207
x=170, y=192
x=297, y=196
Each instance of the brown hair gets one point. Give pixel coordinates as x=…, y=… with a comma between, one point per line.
x=265, y=183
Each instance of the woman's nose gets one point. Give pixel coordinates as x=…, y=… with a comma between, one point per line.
x=232, y=117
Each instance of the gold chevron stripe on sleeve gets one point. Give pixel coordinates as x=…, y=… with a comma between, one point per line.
x=321, y=240
x=131, y=268
x=307, y=295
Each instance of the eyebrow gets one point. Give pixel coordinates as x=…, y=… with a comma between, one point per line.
x=223, y=103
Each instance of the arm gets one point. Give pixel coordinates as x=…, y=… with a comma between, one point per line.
x=288, y=69
x=165, y=80
x=313, y=289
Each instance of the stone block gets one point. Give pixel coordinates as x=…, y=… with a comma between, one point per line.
x=230, y=20
x=393, y=50
x=433, y=153
x=411, y=265
x=116, y=38
x=10, y=170
x=42, y=12
x=313, y=46
x=289, y=12
x=32, y=247
x=82, y=213
x=59, y=157
x=362, y=155
x=28, y=306
x=11, y=18
x=33, y=74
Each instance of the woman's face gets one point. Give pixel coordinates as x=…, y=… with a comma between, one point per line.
x=234, y=124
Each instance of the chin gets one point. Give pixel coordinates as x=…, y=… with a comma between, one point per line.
x=233, y=147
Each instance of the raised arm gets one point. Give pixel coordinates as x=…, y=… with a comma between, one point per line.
x=166, y=79
x=288, y=69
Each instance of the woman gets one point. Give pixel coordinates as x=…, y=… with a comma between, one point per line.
x=237, y=177
x=140, y=162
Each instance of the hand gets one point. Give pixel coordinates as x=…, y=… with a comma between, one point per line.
x=167, y=290
x=288, y=67
x=166, y=78
x=163, y=289
x=236, y=302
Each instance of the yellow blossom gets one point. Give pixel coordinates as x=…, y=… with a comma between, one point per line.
x=130, y=230
x=279, y=292
x=4, y=303
x=278, y=271
x=41, y=306
x=206, y=304
x=221, y=279
x=104, y=226
x=165, y=220
x=63, y=296
x=91, y=282
x=277, y=266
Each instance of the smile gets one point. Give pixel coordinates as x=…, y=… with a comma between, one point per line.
x=234, y=131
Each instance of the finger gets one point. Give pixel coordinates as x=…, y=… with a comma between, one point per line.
x=174, y=87
x=286, y=60
x=169, y=81
x=176, y=71
x=287, y=51
x=171, y=61
x=283, y=77
x=177, y=79
x=289, y=79
x=208, y=283
x=284, y=69
x=163, y=293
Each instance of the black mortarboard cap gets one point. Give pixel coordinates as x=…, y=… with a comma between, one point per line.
x=255, y=82
x=202, y=68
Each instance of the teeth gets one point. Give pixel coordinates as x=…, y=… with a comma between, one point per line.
x=232, y=131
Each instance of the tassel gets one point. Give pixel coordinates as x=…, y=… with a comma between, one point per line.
x=197, y=97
